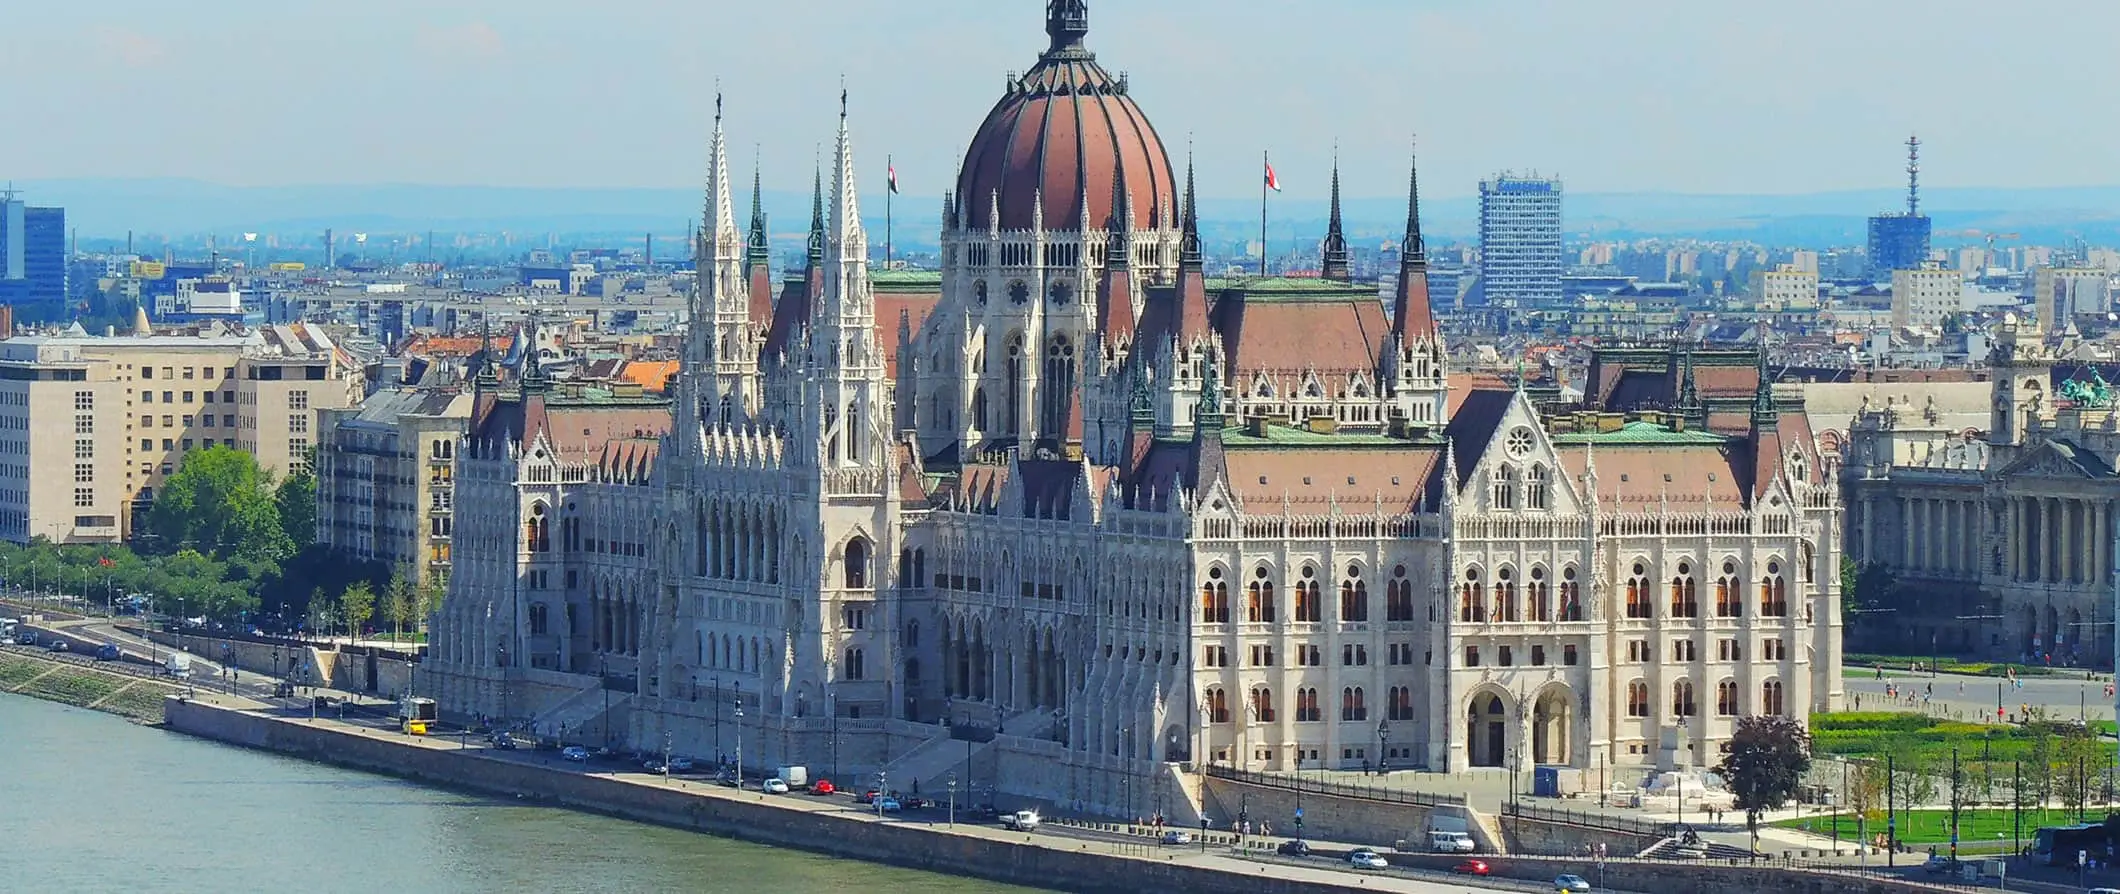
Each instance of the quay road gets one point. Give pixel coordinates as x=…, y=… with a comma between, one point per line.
x=1329, y=868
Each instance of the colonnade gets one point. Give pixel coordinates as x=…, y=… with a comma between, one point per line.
x=2058, y=540
x=1942, y=535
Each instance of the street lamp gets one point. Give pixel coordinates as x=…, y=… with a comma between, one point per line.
x=1383, y=746
x=715, y=697
x=952, y=786
x=739, y=741
x=1299, y=794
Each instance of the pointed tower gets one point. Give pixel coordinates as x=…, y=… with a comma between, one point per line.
x=1690, y=407
x=1334, y=265
x=846, y=363
x=1414, y=355
x=719, y=359
x=758, y=256
x=813, y=269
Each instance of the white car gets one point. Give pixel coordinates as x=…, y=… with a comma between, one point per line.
x=774, y=786
x=1368, y=860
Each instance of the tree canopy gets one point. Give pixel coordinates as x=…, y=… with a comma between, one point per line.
x=220, y=502
x=1765, y=766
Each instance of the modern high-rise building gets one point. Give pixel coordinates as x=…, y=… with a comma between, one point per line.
x=1901, y=241
x=32, y=253
x=1520, y=241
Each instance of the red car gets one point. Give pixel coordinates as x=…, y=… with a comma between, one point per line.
x=1471, y=867
x=822, y=787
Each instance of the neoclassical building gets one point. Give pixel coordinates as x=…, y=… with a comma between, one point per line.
x=1083, y=518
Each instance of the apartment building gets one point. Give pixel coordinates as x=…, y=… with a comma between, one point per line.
x=122, y=412
x=386, y=477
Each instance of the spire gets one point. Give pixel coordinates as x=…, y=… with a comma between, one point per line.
x=1189, y=248
x=756, y=247
x=816, y=216
x=846, y=207
x=1067, y=22
x=1335, y=266
x=1689, y=405
x=533, y=376
x=1415, y=249
x=1764, y=412
x=721, y=215
x=485, y=379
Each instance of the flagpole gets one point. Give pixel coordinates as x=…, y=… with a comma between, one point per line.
x=889, y=190
x=1266, y=158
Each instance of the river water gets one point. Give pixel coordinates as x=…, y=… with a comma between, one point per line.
x=90, y=802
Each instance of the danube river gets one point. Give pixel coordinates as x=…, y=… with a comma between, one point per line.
x=90, y=802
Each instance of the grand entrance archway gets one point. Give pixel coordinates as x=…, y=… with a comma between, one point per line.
x=1487, y=731
x=1552, y=716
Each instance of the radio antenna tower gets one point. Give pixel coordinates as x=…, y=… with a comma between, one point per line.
x=1914, y=176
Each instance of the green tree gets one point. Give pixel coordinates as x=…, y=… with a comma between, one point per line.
x=356, y=606
x=296, y=499
x=399, y=601
x=219, y=501
x=1765, y=766
x=2076, y=768
x=317, y=617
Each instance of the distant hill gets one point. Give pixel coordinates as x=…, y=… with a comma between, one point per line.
x=180, y=209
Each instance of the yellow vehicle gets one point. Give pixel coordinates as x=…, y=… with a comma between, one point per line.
x=415, y=727
x=415, y=715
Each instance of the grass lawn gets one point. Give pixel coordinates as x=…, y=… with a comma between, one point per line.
x=1874, y=734
x=1976, y=827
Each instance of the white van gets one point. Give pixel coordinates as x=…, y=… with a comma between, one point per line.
x=1442, y=842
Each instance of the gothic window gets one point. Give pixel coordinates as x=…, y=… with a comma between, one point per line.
x=1535, y=488
x=1307, y=706
x=856, y=668
x=1770, y=698
x=857, y=564
x=1015, y=384
x=1729, y=592
x=1726, y=702
x=1352, y=706
x=1214, y=598
x=1682, y=703
x=1308, y=608
x=1685, y=595
x=1571, y=595
x=537, y=533
x=979, y=292
x=1638, y=598
x=1774, y=593
x=1262, y=705
x=1519, y=443
x=1505, y=607
x=1472, y=597
x=1259, y=601
x=1058, y=387
x=1401, y=703
x=1398, y=596
x=979, y=408
x=1504, y=491
x=1018, y=292
x=1540, y=596
x=1638, y=699
x=1354, y=596
x=853, y=434
x=1059, y=293
x=1217, y=706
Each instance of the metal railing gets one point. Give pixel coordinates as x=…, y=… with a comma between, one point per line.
x=1590, y=819
x=1336, y=789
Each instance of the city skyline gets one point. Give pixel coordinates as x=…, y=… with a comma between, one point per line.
x=500, y=95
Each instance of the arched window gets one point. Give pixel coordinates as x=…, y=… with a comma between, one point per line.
x=537, y=533
x=1398, y=596
x=1638, y=699
x=1259, y=602
x=1504, y=493
x=1535, y=488
x=1770, y=698
x=1505, y=604
x=1472, y=598
x=1682, y=699
x=1015, y=384
x=1729, y=592
x=1309, y=608
x=1214, y=598
x=1685, y=596
x=1401, y=703
x=1352, y=706
x=1307, y=706
x=1638, y=592
x=1058, y=387
x=979, y=409
x=857, y=564
x=1217, y=706
x=1571, y=596
x=1354, y=596
x=1262, y=705
x=1539, y=595
x=1773, y=593
x=1726, y=698
x=856, y=668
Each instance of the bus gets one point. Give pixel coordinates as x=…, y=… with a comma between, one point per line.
x=2059, y=845
x=416, y=715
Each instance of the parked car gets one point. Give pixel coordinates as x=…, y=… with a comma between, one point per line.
x=107, y=652
x=1021, y=820
x=889, y=805
x=1569, y=884
x=1471, y=867
x=503, y=741
x=27, y=638
x=58, y=645
x=1368, y=860
x=656, y=767
x=911, y=803
x=1293, y=848
x=574, y=753
x=823, y=787
x=868, y=797
x=774, y=786
x=1177, y=836
x=681, y=764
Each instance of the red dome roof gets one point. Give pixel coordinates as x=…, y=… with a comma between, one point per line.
x=1064, y=134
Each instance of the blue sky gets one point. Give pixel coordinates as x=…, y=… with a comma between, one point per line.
x=1613, y=95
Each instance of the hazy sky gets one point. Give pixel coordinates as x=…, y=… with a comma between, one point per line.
x=1613, y=95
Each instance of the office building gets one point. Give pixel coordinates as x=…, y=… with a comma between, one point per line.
x=2061, y=295
x=1788, y=287
x=32, y=256
x=122, y=411
x=1925, y=297
x=386, y=477
x=1901, y=241
x=1520, y=242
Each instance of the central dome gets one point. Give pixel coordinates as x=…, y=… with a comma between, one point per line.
x=1066, y=134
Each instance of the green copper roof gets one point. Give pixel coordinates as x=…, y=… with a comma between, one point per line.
x=899, y=281
x=1642, y=434
x=1292, y=288
x=1291, y=436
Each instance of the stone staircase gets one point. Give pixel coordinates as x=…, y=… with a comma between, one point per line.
x=931, y=762
x=581, y=716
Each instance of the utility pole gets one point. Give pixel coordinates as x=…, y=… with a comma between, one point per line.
x=1954, y=804
x=1891, y=813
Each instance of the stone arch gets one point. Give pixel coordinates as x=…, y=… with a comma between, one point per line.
x=1486, y=714
x=1553, y=725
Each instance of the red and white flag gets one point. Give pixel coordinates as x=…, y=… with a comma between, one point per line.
x=1273, y=181
x=893, y=168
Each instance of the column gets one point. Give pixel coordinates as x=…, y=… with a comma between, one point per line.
x=2102, y=539
x=1907, y=558
x=2014, y=534
x=2050, y=540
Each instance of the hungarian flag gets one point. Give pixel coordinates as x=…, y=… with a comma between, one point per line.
x=1273, y=181
x=893, y=168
